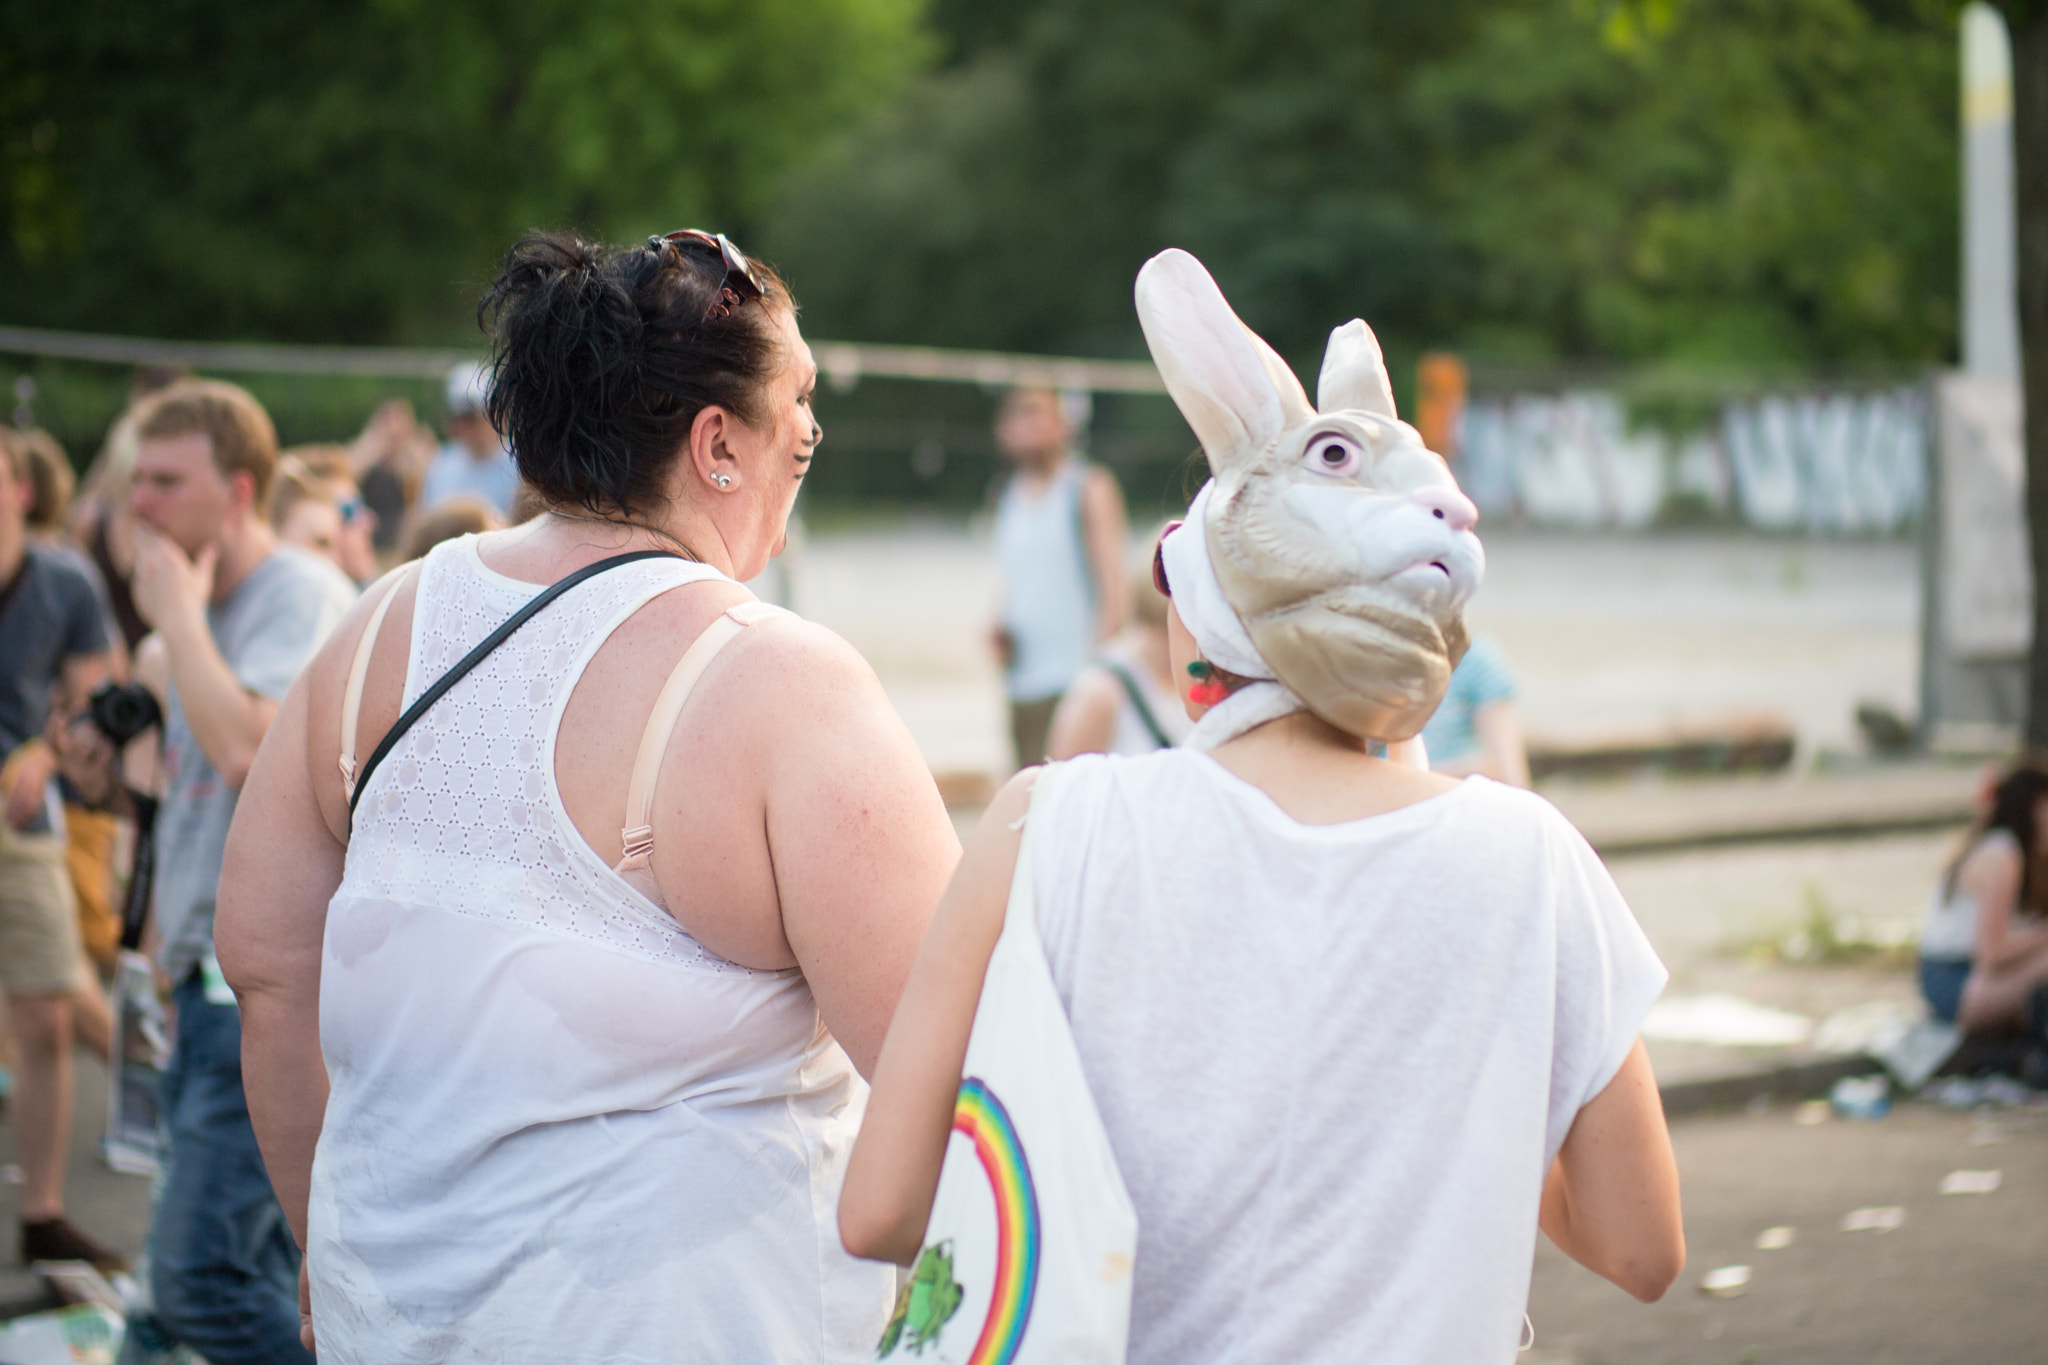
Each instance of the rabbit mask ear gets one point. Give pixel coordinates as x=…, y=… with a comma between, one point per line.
x=1354, y=374
x=1234, y=390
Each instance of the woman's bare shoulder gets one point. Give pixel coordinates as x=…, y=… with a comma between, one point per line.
x=1993, y=862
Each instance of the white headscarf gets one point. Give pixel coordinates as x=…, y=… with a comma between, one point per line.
x=1220, y=634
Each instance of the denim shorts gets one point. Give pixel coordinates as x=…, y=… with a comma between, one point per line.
x=1941, y=981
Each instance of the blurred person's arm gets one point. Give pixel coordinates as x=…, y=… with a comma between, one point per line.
x=886, y=1198
x=26, y=775
x=1610, y=1201
x=31, y=767
x=282, y=865
x=171, y=591
x=87, y=660
x=1085, y=720
x=1505, y=756
x=387, y=434
x=1106, y=532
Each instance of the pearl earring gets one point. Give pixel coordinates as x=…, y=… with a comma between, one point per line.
x=722, y=480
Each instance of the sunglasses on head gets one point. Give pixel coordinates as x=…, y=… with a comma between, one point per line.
x=740, y=283
x=1159, y=560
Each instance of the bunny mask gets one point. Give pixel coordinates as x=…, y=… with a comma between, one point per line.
x=1331, y=551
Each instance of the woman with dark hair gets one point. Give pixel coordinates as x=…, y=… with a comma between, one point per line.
x=1984, y=947
x=555, y=1018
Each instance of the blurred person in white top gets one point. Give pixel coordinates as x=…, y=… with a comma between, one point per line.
x=1339, y=1015
x=475, y=462
x=523, y=1099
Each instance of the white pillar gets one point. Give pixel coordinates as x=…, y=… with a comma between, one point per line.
x=1991, y=319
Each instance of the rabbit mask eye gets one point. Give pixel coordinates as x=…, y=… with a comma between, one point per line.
x=1335, y=455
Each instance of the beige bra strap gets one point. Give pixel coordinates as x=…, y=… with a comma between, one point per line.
x=358, y=670
x=638, y=834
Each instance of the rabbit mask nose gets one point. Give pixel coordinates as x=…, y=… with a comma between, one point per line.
x=1449, y=506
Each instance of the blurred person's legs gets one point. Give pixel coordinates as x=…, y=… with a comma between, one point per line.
x=223, y=1265
x=44, y=972
x=1031, y=728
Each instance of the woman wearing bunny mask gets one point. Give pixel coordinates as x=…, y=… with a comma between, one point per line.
x=1339, y=1015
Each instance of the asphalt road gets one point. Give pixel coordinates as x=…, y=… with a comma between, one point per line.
x=1959, y=1281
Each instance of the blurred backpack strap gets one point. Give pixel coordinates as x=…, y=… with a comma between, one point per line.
x=637, y=836
x=358, y=670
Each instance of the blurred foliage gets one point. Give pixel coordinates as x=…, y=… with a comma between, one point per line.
x=1680, y=190
x=350, y=170
x=1751, y=181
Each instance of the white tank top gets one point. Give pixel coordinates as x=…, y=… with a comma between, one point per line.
x=1048, y=597
x=1949, y=933
x=559, y=1128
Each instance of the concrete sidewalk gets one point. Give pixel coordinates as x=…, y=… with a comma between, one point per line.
x=1651, y=815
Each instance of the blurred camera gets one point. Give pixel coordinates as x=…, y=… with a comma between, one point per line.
x=121, y=711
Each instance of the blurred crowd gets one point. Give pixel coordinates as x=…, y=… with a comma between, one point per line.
x=152, y=614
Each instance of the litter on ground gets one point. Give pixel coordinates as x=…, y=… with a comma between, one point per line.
x=1970, y=1182
x=1874, y=1220
x=1730, y=1281
x=1812, y=1112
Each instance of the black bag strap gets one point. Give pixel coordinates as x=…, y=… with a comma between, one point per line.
x=1138, y=700
x=478, y=655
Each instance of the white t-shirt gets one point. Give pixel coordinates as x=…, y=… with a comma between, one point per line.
x=1334, y=1061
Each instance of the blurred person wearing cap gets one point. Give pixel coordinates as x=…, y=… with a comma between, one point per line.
x=475, y=462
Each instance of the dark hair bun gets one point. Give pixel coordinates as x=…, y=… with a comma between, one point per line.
x=603, y=358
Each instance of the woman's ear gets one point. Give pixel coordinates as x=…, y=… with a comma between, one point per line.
x=709, y=456
x=1233, y=389
x=1354, y=377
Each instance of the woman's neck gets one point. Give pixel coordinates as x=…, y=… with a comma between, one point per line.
x=1320, y=775
x=693, y=537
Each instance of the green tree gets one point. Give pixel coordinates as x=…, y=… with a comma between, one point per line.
x=350, y=169
x=1760, y=180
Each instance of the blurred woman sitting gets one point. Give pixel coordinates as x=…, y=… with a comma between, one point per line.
x=1984, y=947
x=1125, y=702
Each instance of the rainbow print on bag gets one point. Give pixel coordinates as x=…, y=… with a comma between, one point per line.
x=980, y=1116
x=930, y=1297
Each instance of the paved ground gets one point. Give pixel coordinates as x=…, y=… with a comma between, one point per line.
x=1959, y=1281
x=113, y=1208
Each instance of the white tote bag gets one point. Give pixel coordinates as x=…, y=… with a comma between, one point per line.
x=1027, y=1257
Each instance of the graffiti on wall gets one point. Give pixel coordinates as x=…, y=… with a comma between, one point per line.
x=1818, y=463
